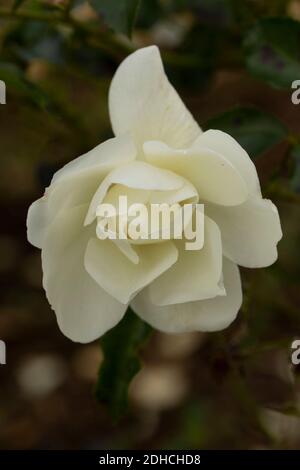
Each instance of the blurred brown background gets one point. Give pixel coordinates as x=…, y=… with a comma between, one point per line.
x=234, y=389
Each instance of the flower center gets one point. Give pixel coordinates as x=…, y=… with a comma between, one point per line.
x=143, y=216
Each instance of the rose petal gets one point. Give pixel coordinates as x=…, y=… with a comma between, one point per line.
x=103, y=158
x=214, y=177
x=37, y=221
x=143, y=102
x=196, y=275
x=204, y=315
x=121, y=278
x=84, y=311
x=76, y=183
x=250, y=232
x=225, y=145
x=138, y=175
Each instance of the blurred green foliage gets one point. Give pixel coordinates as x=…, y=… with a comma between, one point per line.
x=255, y=130
x=118, y=14
x=121, y=362
x=295, y=179
x=272, y=51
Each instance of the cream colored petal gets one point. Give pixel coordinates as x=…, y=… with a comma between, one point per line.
x=134, y=196
x=196, y=275
x=225, y=145
x=104, y=157
x=214, y=177
x=76, y=183
x=37, y=221
x=204, y=315
x=121, y=278
x=123, y=244
x=143, y=102
x=187, y=193
x=84, y=311
x=138, y=175
x=250, y=232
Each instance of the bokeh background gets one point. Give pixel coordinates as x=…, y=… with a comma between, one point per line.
x=233, y=389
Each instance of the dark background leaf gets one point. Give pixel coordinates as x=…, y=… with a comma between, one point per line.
x=119, y=15
x=121, y=361
x=255, y=130
x=272, y=50
x=295, y=180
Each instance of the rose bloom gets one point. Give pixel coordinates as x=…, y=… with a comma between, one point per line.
x=159, y=155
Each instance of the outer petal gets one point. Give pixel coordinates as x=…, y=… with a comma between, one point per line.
x=229, y=148
x=103, y=157
x=204, y=315
x=195, y=276
x=250, y=232
x=142, y=101
x=77, y=181
x=121, y=278
x=84, y=311
x=215, y=178
x=37, y=222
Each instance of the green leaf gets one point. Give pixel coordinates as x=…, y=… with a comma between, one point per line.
x=121, y=362
x=272, y=51
x=295, y=180
x=255, y=130
x=119, y=15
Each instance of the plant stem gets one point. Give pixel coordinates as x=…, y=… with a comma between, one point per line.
x=30, y=15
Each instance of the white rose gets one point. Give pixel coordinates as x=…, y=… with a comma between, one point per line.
x=159, y=154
